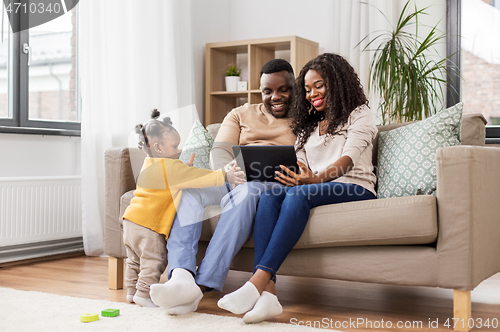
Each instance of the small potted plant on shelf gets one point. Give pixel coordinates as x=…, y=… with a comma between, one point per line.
x=232, y=77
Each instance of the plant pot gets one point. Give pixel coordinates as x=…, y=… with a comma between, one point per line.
x=232, y=83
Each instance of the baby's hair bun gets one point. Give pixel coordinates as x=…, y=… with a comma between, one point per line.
x=155, y=114
x=138, y=129
x=167, y=121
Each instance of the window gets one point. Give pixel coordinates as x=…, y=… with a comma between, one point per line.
x=38, y=77
x=480, y=62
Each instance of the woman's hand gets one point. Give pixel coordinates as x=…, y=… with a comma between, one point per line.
x=291, y=178
x=341, y=167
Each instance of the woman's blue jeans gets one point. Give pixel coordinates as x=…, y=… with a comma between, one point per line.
x=283, y=213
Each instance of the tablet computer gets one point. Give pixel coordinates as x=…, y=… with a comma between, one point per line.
x=260, y=162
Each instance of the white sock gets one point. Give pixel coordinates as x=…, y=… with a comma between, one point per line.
x=130, y=298
x=185, y=308
x=144, y=302
x=267, y=307
x=179, y=290
x=241, y=300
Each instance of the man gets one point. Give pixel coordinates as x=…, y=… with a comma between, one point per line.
x=250, y=124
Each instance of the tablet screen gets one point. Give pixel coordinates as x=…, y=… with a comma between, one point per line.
x=260, y=162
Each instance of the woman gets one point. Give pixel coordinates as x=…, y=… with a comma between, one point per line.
x=334, y=129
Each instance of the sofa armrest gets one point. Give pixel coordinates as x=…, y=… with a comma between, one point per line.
x=119, y=179
x=468, y=184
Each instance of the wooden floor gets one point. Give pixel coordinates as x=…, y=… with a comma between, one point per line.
x=316, y=302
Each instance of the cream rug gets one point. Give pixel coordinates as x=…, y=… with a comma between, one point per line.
x=35, y=311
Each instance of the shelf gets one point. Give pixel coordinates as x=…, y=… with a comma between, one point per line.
x=229, y=93
x=234, y=93
x=256, y=53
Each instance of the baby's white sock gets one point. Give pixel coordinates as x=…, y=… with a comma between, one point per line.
x=144, y=302
x=179, y=290
x=241, y=300
x=267, y=307
x=185, y=308
x=130, y=298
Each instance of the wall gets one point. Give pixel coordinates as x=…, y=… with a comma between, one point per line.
x=39, y=155
x=224, y=20
x=315, y=20
x=210, y=23
x=262, y=19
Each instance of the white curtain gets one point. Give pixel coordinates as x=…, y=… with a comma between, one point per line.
x=135, y=55
x=357, y=19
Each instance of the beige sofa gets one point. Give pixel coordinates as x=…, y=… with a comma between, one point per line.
x=449, y=241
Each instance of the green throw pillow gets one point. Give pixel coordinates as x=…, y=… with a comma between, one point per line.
x=199, y=142
x=407, y=155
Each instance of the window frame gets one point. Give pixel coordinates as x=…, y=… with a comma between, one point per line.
x=453, y=49
x=20, y=122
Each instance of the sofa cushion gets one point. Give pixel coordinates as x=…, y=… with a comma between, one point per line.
x=407, y=155
x=473, y=129
x=213, y=129
x=200, y=143
x=391, y=221
x=124, y=202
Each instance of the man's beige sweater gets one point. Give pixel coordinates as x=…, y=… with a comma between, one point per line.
x=250, y=124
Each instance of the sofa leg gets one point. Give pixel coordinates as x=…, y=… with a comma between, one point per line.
x=462, y=310
x=115, y=273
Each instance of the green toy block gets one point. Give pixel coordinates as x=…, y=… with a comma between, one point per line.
x=110, y=312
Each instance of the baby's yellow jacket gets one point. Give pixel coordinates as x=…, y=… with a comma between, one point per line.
x=159, y=190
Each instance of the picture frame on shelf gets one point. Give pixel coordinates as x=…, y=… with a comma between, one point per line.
x=242, y=86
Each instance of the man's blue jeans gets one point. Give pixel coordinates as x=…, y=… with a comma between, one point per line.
x=283, y=213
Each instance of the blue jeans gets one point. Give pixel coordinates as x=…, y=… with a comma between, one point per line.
x=233, y=230
x=282, y=216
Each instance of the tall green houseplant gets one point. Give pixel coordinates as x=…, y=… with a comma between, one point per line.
x=409, y=83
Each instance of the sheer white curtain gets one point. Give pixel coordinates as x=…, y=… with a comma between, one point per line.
x=357, y=19
x=135, y=55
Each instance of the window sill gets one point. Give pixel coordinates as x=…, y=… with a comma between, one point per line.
x=492, y=141
x=39, y=131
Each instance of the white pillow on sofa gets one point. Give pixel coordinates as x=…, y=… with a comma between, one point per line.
x=200, y=143
x=407, y=155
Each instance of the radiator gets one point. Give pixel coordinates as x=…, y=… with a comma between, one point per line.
x=40, y=216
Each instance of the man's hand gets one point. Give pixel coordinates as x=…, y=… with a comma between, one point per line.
x=306, y=176
x=229, y=166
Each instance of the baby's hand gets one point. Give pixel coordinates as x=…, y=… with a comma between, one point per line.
x=235, y=175
x=191, y=160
